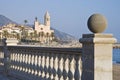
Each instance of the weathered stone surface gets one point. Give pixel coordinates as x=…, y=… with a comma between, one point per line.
x=97, y=56
x=97, y=23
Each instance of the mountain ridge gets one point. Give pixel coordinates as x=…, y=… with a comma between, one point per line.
x=4, y=20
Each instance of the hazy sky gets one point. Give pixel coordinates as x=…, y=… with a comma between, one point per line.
x=69, y=16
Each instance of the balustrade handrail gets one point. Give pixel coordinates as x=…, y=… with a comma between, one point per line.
x=49, y=49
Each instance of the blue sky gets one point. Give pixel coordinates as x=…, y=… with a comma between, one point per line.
x=68, y=16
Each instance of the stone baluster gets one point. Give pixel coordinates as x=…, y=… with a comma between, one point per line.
x=16, y=62
x=36, y=64
x=65, y=67
x=29, y=62
x=71, y=67
x=1, y=55
x=23, y=62
x=13, y=60
x=46, y=65
x=60, y=67
x=32, y=64
x=43, y=65
x=35, y=67
x=51, y=66
x=26, y=63
x=20, y=62
x=77, y=73
x=55, y=66
x=80, y=65
x=39, y=65
x=37, y=71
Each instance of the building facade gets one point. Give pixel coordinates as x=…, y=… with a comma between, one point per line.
x=43, y=30
x=40, y=32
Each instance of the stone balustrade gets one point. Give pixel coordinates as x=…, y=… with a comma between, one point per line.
x=1, y=57
x=43, y=63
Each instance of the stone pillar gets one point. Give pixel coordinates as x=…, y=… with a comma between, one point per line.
x=97, y=56
x=6, y=57
x=97, y=53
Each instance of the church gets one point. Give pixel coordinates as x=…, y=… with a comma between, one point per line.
x=43, y=30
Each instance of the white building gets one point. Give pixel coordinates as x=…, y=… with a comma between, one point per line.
x=43, y=30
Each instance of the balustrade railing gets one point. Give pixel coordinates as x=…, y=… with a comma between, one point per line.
x=43, y=63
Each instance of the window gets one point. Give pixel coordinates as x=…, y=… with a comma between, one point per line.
x=41, y=28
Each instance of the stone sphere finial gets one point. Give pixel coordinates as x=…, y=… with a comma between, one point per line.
x=97, y=23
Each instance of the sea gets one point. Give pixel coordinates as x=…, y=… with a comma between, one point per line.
x=116, y=55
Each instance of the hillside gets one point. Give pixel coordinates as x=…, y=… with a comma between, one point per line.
x=4, y=20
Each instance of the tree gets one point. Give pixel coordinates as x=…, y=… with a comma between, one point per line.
x=5, y=34
x=25, y=21
x=31, y=35
x=22, y=29
x=18, y=36
x=52, y=36
x=47, y=35
x=35, y=34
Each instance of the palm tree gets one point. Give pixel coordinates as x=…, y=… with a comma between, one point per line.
x=5, y=34
x=25, y=21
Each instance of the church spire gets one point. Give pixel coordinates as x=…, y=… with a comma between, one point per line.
x=47, y=14
x=47, y=19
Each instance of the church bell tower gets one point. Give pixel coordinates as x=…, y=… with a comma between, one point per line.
x=47, y=19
